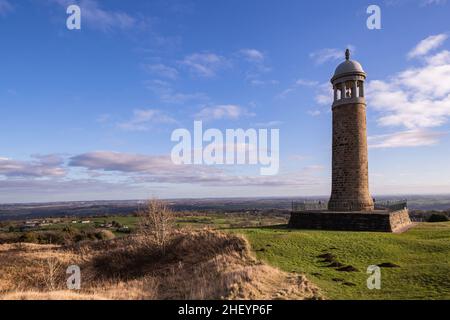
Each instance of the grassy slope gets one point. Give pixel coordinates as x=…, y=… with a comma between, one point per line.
x=422, y=253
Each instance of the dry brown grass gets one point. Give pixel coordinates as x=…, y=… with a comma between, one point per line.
x=196, y=265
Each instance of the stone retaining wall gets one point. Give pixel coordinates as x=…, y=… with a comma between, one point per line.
x=380, y=221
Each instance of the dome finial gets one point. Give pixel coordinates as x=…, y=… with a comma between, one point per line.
x=347, y=54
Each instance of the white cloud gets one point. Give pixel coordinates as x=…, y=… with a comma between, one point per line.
x=229, y=111
x=426, y=45
x=410, y=138
x=205, y=64
x=418, y=97
x=162, y=70
x=143, y=119
x=439, y=59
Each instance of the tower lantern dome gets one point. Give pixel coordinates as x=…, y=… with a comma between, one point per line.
x=348, y=81
x=348, y=67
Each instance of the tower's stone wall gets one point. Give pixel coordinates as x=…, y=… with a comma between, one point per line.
x=350, y=181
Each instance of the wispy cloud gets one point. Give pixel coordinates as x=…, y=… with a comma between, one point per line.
x=252, y=55
x=433, y=2
x=427, y=45
x=167, y=94
x=162, y=70
x=205, y=64
x=260, y=83
x=308, y=83
x=145, y=119
x=422, y=3
x=5, y=7
x=229, y=111
x=297, y=84
x=96, y=17
x=329, y=54
x=103, y=118
x=40, y=166
x=256, y=67
x=138, y=174
x=324, y=94
x=160, y=169
x=314, y=113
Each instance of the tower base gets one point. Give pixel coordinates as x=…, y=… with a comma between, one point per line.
x=375, y=221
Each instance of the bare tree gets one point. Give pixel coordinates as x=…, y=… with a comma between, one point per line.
x=156, y=223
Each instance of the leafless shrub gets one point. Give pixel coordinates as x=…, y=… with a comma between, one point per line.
x=52, y=268
x=156, y=223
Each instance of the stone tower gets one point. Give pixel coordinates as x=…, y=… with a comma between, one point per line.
x=350, y=208
x=350, y=181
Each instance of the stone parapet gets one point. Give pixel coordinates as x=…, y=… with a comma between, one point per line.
x=376, y=221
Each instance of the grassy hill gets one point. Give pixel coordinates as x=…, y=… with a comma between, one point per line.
x=416, y=263
x=422, y=257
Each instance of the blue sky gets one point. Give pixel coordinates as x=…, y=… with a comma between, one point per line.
x=88, y=114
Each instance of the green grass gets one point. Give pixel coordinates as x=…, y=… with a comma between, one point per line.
x=423, y=254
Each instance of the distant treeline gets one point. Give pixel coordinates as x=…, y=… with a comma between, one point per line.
x=429, y=216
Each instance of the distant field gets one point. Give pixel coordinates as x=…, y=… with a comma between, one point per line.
x=216, y=221
x=422, y=254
